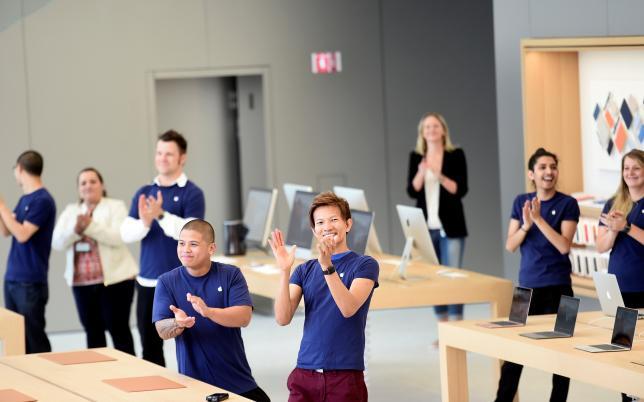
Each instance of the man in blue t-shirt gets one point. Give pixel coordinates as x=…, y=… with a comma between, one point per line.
x=203, y=304
x=157, y=214
x=337, y=290
x=31, y=225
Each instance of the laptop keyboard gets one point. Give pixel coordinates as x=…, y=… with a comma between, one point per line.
x=608, y=347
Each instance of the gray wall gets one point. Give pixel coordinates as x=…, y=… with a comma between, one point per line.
x=439, y=56
x=516, y=19
x=73, y=85
x=199, y=107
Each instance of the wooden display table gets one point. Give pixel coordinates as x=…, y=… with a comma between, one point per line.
x=12, y=333
x=86, y=380
x=16, y=380
x=610, y=370
x=427, y=285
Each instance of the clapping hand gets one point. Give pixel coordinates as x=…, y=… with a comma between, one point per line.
x=150, y=208
x=614, y=221
x=326, y=248
x=182, y=318
x=198, y=304
x=283, y=257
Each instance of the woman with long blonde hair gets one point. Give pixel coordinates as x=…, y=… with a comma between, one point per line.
x=621, y=230
x=437, y=180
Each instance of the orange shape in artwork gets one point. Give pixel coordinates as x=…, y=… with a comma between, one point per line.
x=620, y=136
x=609, y=119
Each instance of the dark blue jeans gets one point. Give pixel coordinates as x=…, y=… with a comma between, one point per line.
x=29, y=299
x=450, y=254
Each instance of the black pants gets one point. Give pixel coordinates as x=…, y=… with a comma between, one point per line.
x=108, y=308
x=632, y=300
x=150, y=340
x=257, y=395
x=544, y=301
x=29, y=299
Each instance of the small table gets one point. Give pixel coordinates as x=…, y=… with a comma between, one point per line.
x=610, y=370
x=12, y=332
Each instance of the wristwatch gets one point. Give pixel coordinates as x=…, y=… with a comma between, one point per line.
x=626, y=229
x=329, y=270
x=161, y=216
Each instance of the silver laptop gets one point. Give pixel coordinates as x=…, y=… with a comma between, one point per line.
x=565, y=322
x=610, y=297
x=623, y=333
x=518, y=312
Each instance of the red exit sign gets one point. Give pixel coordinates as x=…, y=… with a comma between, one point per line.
x=326, y=62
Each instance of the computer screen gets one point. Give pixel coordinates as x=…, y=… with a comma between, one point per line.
x=520, y=304
x=299, y=229
x=258, y=215
x=359, y=233
x=624, y=329
x=567, y=314
x=358, y=200
x=290, y=189
x=415, y=228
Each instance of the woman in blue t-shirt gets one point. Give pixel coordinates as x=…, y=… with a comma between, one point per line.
x=542, y=226
x=621, y=230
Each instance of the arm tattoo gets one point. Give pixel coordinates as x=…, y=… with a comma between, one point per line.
x=168, y=328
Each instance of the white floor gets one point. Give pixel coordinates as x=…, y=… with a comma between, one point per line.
x=402, y=365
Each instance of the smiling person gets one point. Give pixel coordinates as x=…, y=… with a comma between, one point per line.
x=337, y=289
x=100, y=268
x=621, y=230
x=157, y=214
x=437, y=180
x=30, y=224
x=203, y=304
x=542, y=225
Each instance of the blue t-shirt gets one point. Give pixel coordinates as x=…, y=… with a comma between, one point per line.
x=29, y=261
x=541, y=263
x=331, y=341
x=627, y=256
x=208, y=351
x=158, y=251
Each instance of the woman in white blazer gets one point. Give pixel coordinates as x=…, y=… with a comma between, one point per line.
x=100, y=268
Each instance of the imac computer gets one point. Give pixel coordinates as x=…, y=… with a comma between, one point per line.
x=358, y=201
x=359, y=233
x=299, y=229
x=290, y=189
x=258, y=216
x=417, y=243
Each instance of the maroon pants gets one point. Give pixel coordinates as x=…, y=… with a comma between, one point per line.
x=328, y=386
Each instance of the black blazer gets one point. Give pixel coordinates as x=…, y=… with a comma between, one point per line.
x=450, y=207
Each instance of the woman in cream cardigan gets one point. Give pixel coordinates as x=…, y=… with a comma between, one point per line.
x=100, y=269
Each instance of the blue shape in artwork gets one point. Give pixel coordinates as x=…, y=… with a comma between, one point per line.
x=641, y=136
x=626, y=114
x=609, y=149
x=596, y=112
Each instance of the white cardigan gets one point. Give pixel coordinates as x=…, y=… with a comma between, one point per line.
x=116, y=260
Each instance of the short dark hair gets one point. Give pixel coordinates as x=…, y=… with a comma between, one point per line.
x=203, y=227
x=31, y=162
x=173, y=136
x=538, y=154
x=328, y=198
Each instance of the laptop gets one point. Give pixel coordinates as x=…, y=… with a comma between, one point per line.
x=623, y=333
x=565, y=322
x=518, y=312
x=610, y=297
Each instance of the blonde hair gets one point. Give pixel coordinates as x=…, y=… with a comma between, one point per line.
x=421, y=145
x=622, y=200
